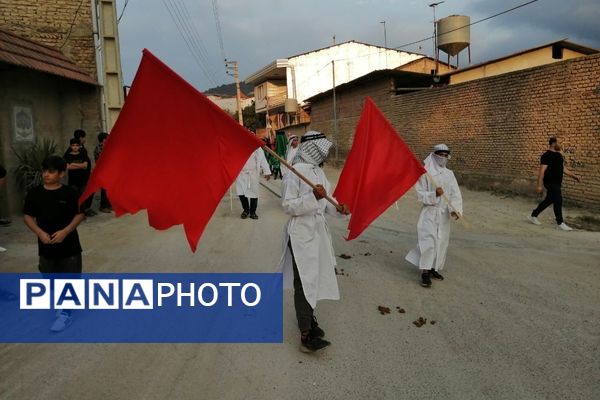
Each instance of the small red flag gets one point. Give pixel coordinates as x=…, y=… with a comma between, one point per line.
x=379, y=169
x=172, y=151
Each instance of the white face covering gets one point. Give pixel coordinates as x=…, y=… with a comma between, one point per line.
x=441, y=161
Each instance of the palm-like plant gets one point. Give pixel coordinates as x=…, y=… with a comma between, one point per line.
x=29, y=171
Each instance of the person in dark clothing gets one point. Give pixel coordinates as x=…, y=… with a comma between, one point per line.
x=552, y=168
x=105, y=206
x=52, y=212
x=78, y=175
x=2, y=179
x=80, y=136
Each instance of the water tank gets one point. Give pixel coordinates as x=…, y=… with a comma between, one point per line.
x=451, y=39
x=291, y=105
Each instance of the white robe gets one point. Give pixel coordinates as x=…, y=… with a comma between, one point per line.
x=309, y=234
x=433, y=227
x=289, y=157
x=246, y=183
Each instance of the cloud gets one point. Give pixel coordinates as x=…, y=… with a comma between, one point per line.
x=257, y=32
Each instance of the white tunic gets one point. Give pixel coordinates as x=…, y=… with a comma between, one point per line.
x=309, y=234
x=289, y=157
x=433, y=227
x=246, y=183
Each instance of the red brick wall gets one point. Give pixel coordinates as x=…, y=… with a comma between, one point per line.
x=48, y=22
x=497, y=127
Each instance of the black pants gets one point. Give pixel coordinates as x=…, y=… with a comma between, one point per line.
x=553, y=196
x=304, y=312
x=249, y=207
x=66, y=265
x=87, y=204
x=104, y=203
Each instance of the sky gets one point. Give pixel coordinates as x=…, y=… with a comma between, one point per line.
x=256, y=32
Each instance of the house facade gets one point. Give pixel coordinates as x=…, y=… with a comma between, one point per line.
x=282, y=87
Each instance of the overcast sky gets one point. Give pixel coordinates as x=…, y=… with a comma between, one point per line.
x=256, y=32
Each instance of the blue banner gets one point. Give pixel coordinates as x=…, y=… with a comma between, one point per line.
x=141, y=308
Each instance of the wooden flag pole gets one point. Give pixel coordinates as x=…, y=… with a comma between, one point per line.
x=460, y=217
x=299, y=175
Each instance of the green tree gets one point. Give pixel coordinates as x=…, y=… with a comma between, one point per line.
x=252, y=121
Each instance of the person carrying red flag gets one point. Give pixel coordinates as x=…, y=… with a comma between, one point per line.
x=433, y=226
x=308, y=257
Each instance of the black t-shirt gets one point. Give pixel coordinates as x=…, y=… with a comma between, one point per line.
x=2, y=172
x=78, y=177
x=555, y=162
x=53, y=210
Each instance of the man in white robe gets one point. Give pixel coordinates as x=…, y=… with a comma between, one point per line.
x=292, y=149
x=308, y=259
x=433, y=227
x=246, y=184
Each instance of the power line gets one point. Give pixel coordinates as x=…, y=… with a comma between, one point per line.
x=196, y=39
x=122, y=11
x=186, y=39
x=218, y=26
x=188, y=36
x=71, y=27
x=472, y=23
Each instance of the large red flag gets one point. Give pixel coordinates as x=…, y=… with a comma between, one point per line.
x=379, y=169
x=172, y=151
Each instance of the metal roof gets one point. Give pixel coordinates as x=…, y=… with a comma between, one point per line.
x=406, y=79
x=26, y=53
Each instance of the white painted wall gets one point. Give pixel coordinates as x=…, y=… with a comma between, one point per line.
x=230, y=103
x=313, y=71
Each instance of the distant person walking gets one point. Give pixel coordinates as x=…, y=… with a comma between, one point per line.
x=433, y=227
x=246, y=184
x=552, y=168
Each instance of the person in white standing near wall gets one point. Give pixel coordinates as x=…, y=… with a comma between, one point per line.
x=433, y=226
x=246, y=184
x=308, y=259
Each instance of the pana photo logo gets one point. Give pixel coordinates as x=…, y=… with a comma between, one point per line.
x=133, y=294
x=144, y=308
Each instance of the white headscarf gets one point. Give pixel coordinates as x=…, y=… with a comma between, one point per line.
x=435, y=164
x=313, y=149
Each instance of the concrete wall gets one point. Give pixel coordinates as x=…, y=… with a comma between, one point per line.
x=59, y=106
x=497, y=127
x=63, y=24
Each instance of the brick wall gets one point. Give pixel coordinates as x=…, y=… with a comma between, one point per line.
x=497, y=127
x=49, y=21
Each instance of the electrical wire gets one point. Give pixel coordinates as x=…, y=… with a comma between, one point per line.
x=185, y=36
x=122, y=11
x=472, y=23
x=218, y=26
x=71, y=27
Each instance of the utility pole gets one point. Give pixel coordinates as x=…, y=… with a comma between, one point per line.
x=231, y=68
x=435, y=49
x=385, y=43
x=111, y=76
x=335, y=124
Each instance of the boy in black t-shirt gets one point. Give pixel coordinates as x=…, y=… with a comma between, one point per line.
x=552, y=168
x=52, y=213
x=79, y=136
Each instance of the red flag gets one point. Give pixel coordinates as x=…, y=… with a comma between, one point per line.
x=172, y=151
x=379, y=169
